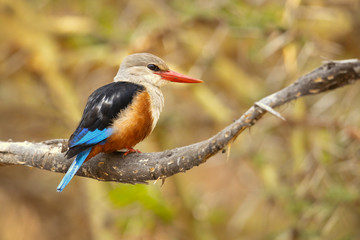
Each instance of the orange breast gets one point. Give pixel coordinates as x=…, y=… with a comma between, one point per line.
x=131, y=126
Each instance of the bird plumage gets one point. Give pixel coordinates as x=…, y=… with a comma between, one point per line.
x=102, y=107
x=121, y=114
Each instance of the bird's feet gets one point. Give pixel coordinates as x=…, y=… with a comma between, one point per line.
x=131, y=150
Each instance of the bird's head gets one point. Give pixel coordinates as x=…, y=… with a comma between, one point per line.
x=145, y=68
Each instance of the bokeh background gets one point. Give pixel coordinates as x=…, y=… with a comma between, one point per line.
x=297, y=179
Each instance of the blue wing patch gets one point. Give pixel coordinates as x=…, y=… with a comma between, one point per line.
x=90, y=137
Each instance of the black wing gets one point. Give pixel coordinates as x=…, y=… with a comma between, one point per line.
x=102, y=107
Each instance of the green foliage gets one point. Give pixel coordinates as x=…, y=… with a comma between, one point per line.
x=148, y=198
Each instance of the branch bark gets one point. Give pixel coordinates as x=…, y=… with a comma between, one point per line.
x=142, y=167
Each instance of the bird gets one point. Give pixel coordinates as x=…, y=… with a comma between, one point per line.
x=121, y=114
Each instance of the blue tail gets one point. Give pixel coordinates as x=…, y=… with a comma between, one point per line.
x=80, y=158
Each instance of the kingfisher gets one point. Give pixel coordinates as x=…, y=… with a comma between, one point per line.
x=121, y=114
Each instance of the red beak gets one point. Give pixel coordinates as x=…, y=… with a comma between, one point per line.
x=177, y=77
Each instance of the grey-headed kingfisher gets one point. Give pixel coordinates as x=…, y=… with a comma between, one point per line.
x=121, y=114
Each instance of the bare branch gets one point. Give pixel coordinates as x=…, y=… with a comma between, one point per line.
x=140, y=168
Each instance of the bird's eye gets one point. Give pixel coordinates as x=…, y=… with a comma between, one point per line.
x=153, y=67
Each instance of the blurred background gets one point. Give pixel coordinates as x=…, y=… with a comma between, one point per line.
x=297, y=179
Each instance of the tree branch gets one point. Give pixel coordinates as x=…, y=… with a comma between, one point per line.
x=140, y=168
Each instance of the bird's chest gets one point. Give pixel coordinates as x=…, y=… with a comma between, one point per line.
x=132, y=124
x=157, y=103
